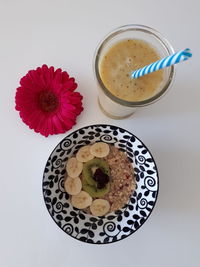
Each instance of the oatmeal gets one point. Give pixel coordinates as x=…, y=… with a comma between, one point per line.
x=100, y=179
x=122, y=179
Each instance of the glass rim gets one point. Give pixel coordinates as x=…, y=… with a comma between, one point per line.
x=134, y=27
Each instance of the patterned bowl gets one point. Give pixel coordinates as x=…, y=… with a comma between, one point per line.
x=116, y=225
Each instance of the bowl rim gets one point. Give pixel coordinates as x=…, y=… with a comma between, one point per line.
x=156, y=169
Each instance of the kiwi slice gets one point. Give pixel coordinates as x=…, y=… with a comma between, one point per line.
x=93, y=191
x=87, y=170
x=89, y=184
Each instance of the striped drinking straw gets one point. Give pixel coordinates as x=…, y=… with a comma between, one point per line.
x=162, y=63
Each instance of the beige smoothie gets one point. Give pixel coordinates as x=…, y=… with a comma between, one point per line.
x=118, y=63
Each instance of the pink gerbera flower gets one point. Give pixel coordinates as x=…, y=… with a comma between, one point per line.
x=46, y=100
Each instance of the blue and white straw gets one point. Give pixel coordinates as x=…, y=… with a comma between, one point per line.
x=163, y=63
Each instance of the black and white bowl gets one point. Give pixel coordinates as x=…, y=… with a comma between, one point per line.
x=116, y=225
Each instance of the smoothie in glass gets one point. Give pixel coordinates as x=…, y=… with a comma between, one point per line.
x=122, y=51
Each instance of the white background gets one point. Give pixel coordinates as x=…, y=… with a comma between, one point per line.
x=65, y=34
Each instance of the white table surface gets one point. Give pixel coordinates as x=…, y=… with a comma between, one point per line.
x=65, y=34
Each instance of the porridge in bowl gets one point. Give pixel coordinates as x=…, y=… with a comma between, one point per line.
x=100, y=179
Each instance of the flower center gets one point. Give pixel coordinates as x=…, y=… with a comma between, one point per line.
x=48, y=101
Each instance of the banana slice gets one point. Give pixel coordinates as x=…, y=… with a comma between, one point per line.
x=74, y=167
x=100, y=207
x=82, y=200
x=73, y=185
x=84, y=155
x=100, y=150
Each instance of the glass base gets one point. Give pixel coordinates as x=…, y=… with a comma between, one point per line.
x=112, y=116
